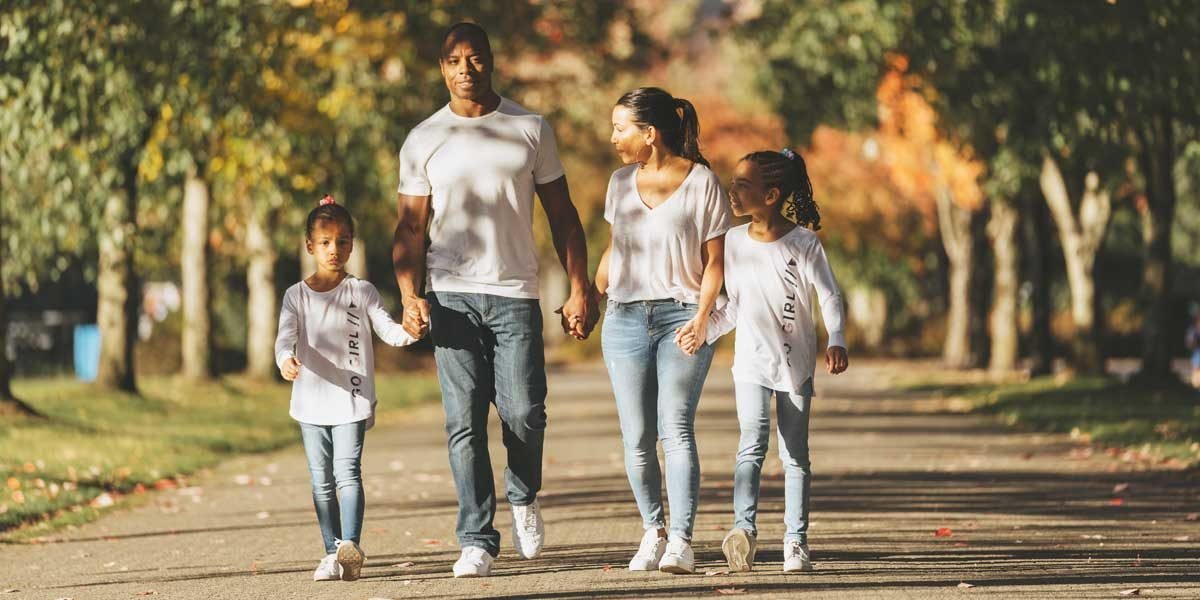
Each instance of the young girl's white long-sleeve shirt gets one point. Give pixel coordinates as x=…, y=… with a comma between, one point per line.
x=770, y=287
x=328, y=333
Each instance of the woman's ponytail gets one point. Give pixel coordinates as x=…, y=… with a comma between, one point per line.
x=689, y=122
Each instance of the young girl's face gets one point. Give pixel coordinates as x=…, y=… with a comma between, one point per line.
x=330, y=243
x=628, y=139
x=747, y=194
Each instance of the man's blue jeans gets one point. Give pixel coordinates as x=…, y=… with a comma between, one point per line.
x=334, y=455
x=488, y=350
x=657, y=389
x=754, y=418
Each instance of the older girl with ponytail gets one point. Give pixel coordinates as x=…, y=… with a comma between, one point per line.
x=776, y=263
x=662, y=271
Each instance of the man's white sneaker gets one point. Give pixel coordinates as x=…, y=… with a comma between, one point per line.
x=738, y=547
x=795, y=557
x=528, y=530
x=649, y=553
x=328, y=569
x=474, y=562
x=351, y=558
x=678, y=558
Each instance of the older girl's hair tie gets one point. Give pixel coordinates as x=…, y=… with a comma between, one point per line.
x=328, y=199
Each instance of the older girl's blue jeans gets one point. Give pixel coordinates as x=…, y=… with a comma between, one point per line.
x=657, y=389
x=754, y=418
x=334, y=455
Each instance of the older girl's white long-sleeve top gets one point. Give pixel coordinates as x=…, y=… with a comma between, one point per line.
x=770, y=287
x=328, y=333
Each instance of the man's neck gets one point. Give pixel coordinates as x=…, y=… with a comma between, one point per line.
x=475, y=108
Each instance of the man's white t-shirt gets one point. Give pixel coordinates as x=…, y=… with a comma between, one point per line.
x=328, y=333
x=481, y=173
x=770, y=287
x=656, y=252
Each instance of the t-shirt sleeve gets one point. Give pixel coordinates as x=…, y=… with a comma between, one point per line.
x=413, y=179
x=289, y=329
x=610, y=202
x=716, y=218
x=546, y=165
x=388, y=330
x=829, y=294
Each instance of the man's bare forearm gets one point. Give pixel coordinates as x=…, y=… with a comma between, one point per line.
x=408, y=247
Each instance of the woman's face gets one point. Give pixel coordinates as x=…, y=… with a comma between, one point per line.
x=629, y=140
x=747, y=195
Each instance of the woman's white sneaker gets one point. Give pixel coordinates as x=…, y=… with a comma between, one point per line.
x=738, y=547
x=473, y=562
x=328, y=569
x=795, y=557
x=528, y=530
x=649, y=553
x=678, y=558
x=350, y=557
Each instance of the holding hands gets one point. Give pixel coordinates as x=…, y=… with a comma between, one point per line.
x=416, y=316
x=692, y=335
x=580, y=313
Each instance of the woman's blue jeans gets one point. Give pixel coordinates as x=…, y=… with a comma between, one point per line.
x=657, y=389
x=334, y=455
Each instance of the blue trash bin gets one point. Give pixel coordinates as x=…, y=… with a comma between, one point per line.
x=87, y=352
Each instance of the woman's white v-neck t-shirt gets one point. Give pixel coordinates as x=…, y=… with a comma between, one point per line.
x=656, y=251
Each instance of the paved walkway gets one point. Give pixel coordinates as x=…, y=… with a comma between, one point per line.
x=1029, y=515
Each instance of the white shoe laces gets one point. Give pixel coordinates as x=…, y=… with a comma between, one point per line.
x=795, y=549
x=528, y=517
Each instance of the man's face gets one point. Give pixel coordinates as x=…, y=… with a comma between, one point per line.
x=467, y=69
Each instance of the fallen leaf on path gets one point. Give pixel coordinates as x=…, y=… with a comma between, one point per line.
x=1093, y=537
x=1192, y=517
x=110, y=564
x=715, y=573
x=1120, y=488
x=12, y=591
x=963, y=584
x=1116, y=502
x=1080, y=454
x=139, y=489
x=243, y=479
x=960, y=544
x=607, y=568
x=263, y=515
x=1181, y=538
x=1027, y=456
x=404, y=565
x=431, y=542
x=165, y=484
x=485, y=585
x=728, y=591
x=1133, y=592
x=943, y=532
x=147, y=593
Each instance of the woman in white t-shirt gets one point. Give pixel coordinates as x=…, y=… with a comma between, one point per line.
x=775, y=264
x=324, y=348
x=662, y=270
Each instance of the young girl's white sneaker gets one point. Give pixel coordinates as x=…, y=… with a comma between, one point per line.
x=351, y=558
x=795, y=557
x=328, y=569
x=738, y=548
x=678, y=558
x=649, y=553
x=473, y=562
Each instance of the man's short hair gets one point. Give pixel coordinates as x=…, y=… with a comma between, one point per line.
x=465, y=30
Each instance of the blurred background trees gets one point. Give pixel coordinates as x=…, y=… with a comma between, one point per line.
x=1002, y=181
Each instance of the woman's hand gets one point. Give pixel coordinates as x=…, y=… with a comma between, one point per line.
x=692, y=335
x=290, y=369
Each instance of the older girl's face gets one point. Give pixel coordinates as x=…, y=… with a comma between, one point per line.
x=629, y=140
x=747, y=196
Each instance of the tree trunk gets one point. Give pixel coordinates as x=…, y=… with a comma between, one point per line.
x=954, y=223
x=9, y=403
x=1157, y=158
x=261, y=313
x=1081, y=239
x=1041, y=341
x=193, y=259
x=117, y=308
x=1002, y=230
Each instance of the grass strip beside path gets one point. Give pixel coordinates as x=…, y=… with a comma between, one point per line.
x=1161, y=423
x=96, y=447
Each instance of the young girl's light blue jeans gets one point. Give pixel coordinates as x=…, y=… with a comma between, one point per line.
x=657, y=389
x=334, y=455
x=754, y=418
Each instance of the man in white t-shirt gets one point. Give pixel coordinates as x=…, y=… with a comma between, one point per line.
x=468, y=175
